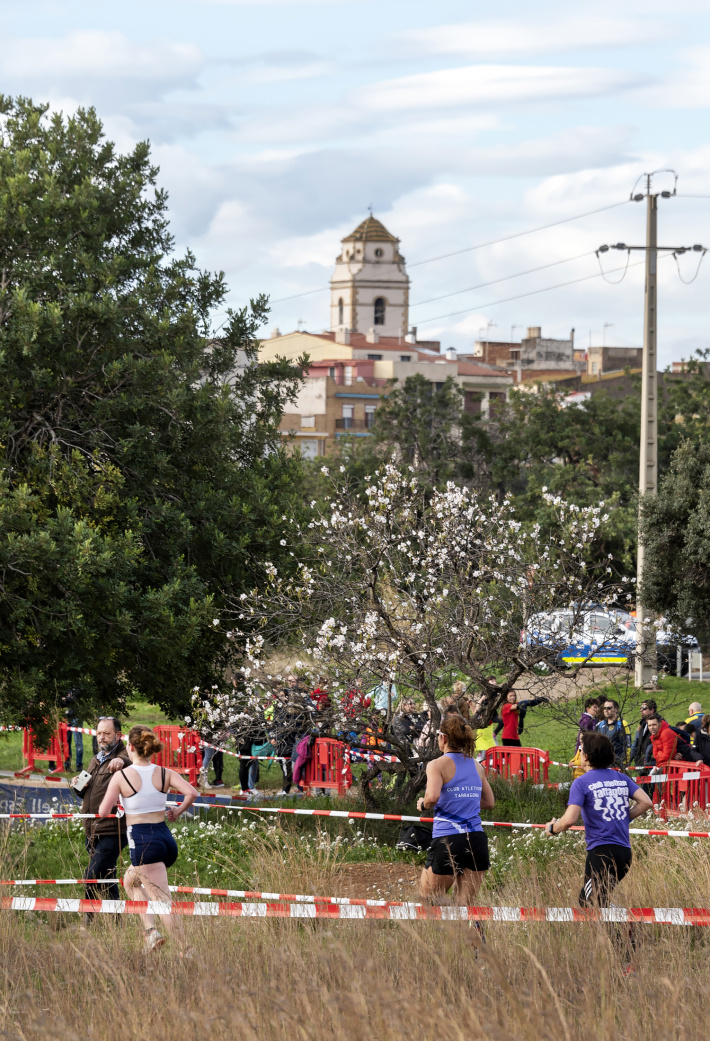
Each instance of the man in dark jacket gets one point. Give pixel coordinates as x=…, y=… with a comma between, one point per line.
x=641, y=748
x=104, y=838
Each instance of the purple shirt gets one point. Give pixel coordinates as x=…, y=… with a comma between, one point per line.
x=586, y=722
x=604, y=798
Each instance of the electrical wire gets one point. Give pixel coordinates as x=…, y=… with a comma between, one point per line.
x=534, y=292
x=612, y=281
x=697, y=270
x=520, y=234
x=480, y=245
x=505, y=278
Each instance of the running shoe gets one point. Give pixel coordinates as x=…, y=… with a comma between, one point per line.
x=218, y=784
x=153, y=940
x=282, y=792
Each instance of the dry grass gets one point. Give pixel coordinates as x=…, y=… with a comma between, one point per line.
x=276, y=980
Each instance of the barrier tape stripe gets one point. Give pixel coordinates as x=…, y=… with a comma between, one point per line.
x=236, y=755
x=404, y=912
x=242, y=894
x=429, y=820
x=356, y=814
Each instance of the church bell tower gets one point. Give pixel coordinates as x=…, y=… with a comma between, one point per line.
x=370, y=286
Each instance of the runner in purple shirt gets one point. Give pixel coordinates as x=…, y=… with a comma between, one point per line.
x=602, y=796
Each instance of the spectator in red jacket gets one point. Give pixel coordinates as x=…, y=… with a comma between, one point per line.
x=663, y=741
x=509, y=712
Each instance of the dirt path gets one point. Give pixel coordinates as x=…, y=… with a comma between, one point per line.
x=378, y=881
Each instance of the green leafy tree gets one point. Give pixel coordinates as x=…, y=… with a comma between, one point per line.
x=587, y=453
x=142, y=474
x=676, y=527
x=685, y=412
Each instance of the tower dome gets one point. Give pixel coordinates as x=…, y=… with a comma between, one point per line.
x=370, y=286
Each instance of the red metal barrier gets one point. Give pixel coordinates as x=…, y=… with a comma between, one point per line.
x=523, y=764
x=181, y=752
x=328, y=766
x=687, y=787
x=57, y=751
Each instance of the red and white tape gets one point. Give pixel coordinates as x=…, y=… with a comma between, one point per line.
x=357, y=815
x=357, y=755
x=240, y=894
x=429, y=820
x=402, y=912
x=236, y=755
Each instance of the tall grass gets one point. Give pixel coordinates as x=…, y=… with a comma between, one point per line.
x=278, y=980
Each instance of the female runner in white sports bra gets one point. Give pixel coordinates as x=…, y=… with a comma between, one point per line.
x=144, y=788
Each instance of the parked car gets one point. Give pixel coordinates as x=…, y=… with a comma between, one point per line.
x=597, y=635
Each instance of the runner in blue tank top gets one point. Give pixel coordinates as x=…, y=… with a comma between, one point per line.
x=457, y=790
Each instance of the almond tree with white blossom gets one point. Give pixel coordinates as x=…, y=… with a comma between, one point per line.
x=403, y=586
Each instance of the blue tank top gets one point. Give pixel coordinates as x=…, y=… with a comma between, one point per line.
x=459, y=807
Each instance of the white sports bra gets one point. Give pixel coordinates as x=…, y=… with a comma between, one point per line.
x=147, y=799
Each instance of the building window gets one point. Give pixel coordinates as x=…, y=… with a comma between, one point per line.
x=380, y=310
x=405, y=357
x=496, y=402
x=438, y=386
x=370, y=416
x=472, y=402
x=331, y=372
x=379, y=252
x=348, y=413
x=348, y=375
x=374, y=357
x=594, y=368
x=308, y=422
x=309, y=449
x=340, y=311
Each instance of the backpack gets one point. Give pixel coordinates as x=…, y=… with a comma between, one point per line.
x=414, y=837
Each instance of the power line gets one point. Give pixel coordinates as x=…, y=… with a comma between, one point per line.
x=534, y=292
x=505, y=278
x=469, y=249
x=519, y=234
x=295, y=296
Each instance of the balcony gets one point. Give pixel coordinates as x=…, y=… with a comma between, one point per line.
x=356, y=425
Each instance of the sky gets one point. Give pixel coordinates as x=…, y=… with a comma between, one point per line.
x=278, y=123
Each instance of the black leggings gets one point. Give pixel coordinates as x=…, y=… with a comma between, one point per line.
x=605, y=867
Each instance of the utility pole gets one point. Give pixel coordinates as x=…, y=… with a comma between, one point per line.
x=646, y=660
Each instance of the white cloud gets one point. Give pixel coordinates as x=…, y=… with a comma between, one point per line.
x=491, y=84
x=509, y=36
x=686, y=87
x=99, y=55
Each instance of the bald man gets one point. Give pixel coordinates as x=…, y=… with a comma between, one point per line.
x=696, y=714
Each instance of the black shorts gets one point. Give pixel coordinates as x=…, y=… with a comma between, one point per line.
x=454, y=854
x=605, y=867
x=151, y=844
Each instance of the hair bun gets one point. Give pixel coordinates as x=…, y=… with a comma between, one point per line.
x=145, y=742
